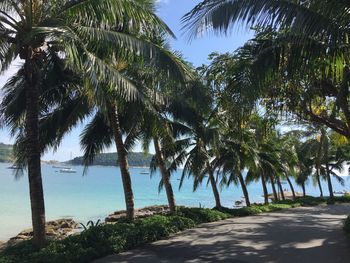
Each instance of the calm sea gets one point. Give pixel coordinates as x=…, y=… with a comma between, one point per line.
x=99, y=193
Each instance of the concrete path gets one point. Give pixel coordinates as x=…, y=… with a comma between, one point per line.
x=297, y=235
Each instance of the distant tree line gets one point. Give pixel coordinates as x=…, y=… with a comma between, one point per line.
x=136, y=159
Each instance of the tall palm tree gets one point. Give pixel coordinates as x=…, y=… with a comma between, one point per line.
x=197, y=135
x=202, y=137
x=238, y=151
x=32, y=29
x=304, y=40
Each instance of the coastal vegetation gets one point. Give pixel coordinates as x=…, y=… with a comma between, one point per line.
x=5, y=152
x=275, y=110
x=101, y=240
x=110, y=159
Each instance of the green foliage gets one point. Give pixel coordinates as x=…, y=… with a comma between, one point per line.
x=5, y=152
x=200, y=215
x=110, y=159
x=257, y=209
x=101, y=240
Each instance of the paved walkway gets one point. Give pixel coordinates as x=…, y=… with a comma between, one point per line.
x=297, y=235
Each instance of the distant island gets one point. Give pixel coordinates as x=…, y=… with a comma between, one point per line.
x=5, y=153
x=136, y=159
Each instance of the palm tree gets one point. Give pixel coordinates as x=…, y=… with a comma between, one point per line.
x=237, y=151
x=197, y=135
x=303, y=44
x=199, y=153
x=33, y=29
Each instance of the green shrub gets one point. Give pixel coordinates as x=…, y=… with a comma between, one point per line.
x=200, y=215
x=102, y=240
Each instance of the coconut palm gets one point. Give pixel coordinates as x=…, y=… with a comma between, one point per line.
x=305, y=43
x=76, y=30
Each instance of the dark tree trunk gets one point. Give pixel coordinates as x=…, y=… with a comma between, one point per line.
x=303, y=187
x=244, y=188
x=266, y=193
x=280, y=187
x=273, y=188
x=123, y=162
x=291, y=186
x=214, y=186
x=328, y=173
x=329, y=181
x=165, y=175
x=319, y=181
x=33, y=153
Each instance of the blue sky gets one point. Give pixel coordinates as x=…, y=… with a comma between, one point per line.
x=196, y=52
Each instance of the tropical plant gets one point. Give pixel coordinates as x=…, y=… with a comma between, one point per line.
x=34, y=30
x=301, y=49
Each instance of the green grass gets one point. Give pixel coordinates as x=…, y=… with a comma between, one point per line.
x=102, y=240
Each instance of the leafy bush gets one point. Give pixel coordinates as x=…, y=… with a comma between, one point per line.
x=201, y=215
x=101, y=240
x=342, y=199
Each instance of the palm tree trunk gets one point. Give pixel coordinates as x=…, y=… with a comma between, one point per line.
x=165, y=175
x=244, y=188
x=280, y=187
x=266, y=193
x=214, y=186
x=123, y=161
x=291, y=186
x=329, y=181
x=319, y=181
x=326, y=154
x=273, y=188
x=33, y=154
x=304, y=190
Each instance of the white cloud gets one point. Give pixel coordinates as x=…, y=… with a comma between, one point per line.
x=162, y=1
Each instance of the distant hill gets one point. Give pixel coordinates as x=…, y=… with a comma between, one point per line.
x=5, y=152
x=110, y=159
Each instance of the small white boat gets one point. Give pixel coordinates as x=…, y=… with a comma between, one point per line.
x=60, y=167
x=144, y=172
x=13, y=167
x=68, y=171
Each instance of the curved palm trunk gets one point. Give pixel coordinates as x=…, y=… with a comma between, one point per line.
x=244, y=188
x=319, y=181
x=165, y=176
x=214, y=186
x=266, y=193
x=291, y=186
x=33, y=155
x=275, y=195
x=280, y=187
x=123, y=162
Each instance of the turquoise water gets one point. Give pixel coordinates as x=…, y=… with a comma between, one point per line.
x=99, y=193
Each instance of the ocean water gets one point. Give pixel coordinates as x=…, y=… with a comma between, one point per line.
x=99, y=193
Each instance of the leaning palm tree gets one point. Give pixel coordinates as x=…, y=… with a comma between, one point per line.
x=237, y=151
x=199, y=154
x=197, y=133
x=77, y=30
